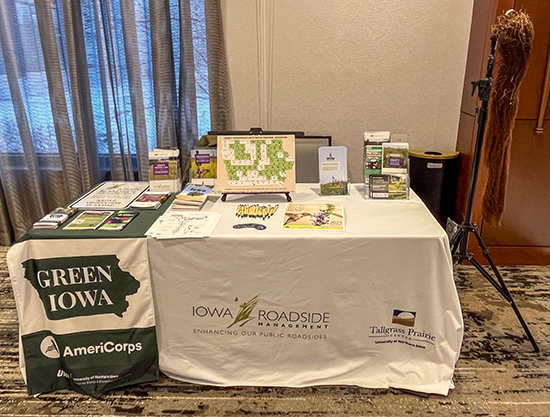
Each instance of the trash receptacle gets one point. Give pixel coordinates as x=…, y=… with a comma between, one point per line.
x=434, y=177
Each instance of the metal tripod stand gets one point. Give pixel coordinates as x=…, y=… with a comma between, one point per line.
x=459, y=233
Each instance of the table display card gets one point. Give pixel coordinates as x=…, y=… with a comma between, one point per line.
x=164, y=170
x=111, y=195
x=256, y=164
x=321, y=216
x=333, y=170
x=204, y=166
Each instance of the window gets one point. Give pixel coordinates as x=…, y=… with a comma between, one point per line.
x=34, y=84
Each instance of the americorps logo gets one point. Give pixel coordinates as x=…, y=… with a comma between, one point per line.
x=49, y=348
x=81, y=286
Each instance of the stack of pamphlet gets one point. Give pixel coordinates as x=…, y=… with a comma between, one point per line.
x=177, y=224
x=55, y=218
x=386, y=166
x=164, y=170
x=150, y=200
x=192, y=197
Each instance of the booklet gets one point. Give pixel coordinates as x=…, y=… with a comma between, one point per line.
x=88, y=220
x=314, y=216
x=333, y=170
x=193, y=196
x=119, y=221
x=164, y=170
x=150, y=200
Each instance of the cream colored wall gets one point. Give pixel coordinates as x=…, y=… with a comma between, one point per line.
x=340, y=67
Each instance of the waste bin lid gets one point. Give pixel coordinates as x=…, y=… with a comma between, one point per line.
x=434, y=154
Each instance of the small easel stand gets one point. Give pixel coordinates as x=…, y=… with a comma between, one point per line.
x=460, y=232
x=287, y=194
x=259, y=131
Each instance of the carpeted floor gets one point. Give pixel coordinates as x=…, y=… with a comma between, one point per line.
x=497, y=373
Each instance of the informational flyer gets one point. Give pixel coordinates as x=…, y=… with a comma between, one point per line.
x=256, y=164
x=88, y=220
x=178, y=225
x=111, y=195
x=314, y=216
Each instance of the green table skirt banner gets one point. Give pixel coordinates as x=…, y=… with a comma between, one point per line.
x=86, y=316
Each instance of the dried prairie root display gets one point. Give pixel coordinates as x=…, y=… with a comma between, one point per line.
x=514, y=32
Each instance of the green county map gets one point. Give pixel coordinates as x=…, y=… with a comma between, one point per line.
x=256, y=161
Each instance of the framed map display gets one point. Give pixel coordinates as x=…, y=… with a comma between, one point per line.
x=256, y=164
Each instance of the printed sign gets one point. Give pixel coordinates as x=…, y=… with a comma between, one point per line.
x=87, y=322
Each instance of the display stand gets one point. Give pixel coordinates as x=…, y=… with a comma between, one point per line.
x=459, y=233
x=288, y=197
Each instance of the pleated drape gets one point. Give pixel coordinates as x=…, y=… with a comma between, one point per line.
x=111, y=79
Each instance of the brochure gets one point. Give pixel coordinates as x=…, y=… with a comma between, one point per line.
x=314, y=216
x=333, y=170
x=88, y=220
x=389, y=187
x=376, y=137
x=204, y=166
x=164, y=170
x=111, y=195
x=119, y=221
x=150, y=200
x=395, y=158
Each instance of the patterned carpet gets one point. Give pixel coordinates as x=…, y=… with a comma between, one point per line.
x=497, y=373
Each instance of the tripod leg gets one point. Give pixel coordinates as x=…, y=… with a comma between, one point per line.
x=501, y=286
x=455, y=241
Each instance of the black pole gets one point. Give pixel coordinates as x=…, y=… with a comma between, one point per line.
x=459, y=239
x=484, y=86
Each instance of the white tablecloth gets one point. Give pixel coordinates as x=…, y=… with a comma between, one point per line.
x=374, y=305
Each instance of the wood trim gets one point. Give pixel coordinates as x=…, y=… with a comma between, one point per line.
x=544, y=100
x=513, y=255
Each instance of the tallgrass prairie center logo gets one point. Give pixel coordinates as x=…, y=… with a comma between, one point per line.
x=402, y=331
x=81, y=285
x=250, y=313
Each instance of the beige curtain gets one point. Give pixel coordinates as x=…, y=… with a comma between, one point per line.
x=87, y=87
